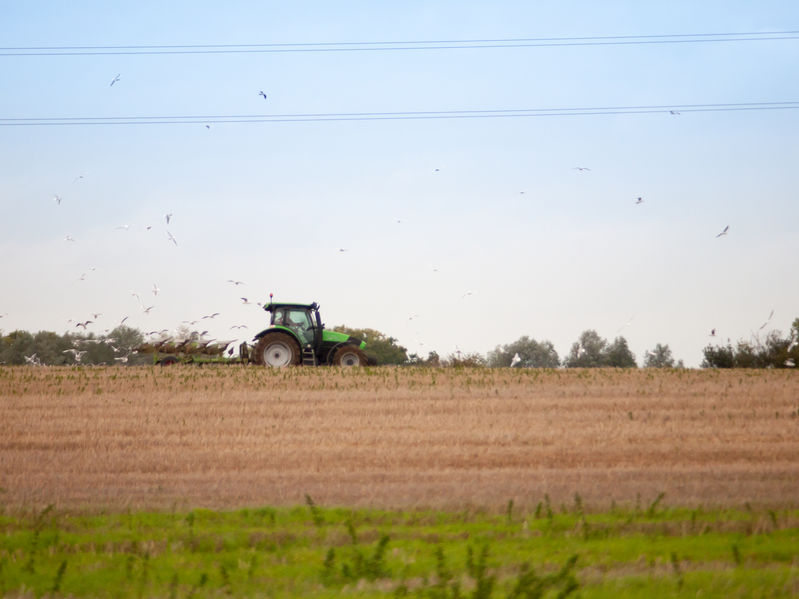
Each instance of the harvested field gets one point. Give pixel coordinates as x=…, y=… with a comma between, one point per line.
x=229, y=437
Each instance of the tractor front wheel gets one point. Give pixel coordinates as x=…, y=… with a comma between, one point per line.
x=349, y=355
x=276, y=350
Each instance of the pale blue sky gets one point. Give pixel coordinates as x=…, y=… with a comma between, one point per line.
x=272, y=204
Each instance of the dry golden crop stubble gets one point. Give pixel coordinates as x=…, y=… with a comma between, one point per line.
x=227, y=437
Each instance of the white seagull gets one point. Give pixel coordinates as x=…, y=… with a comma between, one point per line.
x=115, y=79
x=515, y=360
x=724, y=232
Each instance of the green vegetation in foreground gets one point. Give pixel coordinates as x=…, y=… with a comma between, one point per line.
x=310, y=551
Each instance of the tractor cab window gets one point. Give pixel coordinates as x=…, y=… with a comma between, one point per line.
x=296, y=319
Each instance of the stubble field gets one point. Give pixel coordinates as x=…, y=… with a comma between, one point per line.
x=93, y=439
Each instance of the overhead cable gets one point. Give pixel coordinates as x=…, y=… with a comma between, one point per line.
x=399, y=45
x=207, y=119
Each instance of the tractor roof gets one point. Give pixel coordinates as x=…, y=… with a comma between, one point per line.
x=275, y=305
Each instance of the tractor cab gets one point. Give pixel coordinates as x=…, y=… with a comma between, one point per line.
x=301, y=319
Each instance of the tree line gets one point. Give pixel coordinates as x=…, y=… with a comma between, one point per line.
x=774, y=350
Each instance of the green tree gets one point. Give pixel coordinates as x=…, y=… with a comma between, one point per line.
x=717, y=356
x=432, y=360
x=464, y=360
x=51, y=347
x=772, y=351
x=618, y=354
x=532, y=354
x=589, y=351
x=659, y=357
x=17, y=345
x=382, y=347
x=592, y=351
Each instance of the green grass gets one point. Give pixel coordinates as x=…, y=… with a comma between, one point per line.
x=313, y=551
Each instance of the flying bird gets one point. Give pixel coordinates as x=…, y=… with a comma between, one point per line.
x=57, y=199
x=724, y=232
x=581, y=168
x=84, y=324
x=237, y=283
x=515, y=360
x=75, y=354
x=245, y=301
x=136, y=295
x=168, y=217
x=763, y=326
x=261, y=93
x=155, y=289
x=674, y=112
x=639, y=200
x=69, y=238
x=214, y=315
x=171, y=238
x=712, y=332
x=147, y=309
x=115, y=79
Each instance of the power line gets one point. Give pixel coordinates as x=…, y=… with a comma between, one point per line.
x=399, y=45
x=207, y=119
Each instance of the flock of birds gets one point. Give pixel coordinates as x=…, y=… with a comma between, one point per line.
x=145, y=309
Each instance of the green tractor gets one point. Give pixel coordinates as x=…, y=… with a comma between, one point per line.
x=297, y=336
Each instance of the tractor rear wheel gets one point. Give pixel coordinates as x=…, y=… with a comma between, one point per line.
x=276, y=350
x=349, y=355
